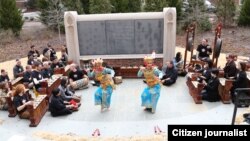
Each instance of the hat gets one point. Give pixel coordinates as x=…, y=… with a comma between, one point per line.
x=97, y=62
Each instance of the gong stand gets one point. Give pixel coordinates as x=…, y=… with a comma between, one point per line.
x=189, y=42
x=217, y=44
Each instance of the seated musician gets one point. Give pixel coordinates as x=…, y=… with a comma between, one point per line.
x=179, y=64
x=4, y=76
x=38, y=76
x=46, y=53
x=18, y=69
x=241, y=80
x=170, y=75
x=21, y=101
x=47, y=71
x=77, y=78
x=58, y=107
x=64, y=57
x=103, y=68
x=66, y=92
x=203, y=51
x=4, y=92
x=210, y=91
x=32, y=59
x=33, y=51
x=206, y=72
x=52, y=52
x=27, y=77
x=230, y=70
x=56, y=63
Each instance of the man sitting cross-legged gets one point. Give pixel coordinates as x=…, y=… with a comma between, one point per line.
x=58, y=106
x=77, y=78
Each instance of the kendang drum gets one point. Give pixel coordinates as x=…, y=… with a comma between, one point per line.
x=80, y=84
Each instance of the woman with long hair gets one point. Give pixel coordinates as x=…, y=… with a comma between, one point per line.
x=21, y=101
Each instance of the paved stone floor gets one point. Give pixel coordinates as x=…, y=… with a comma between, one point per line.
x=126, y=117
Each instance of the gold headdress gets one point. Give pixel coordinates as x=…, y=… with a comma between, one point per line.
x=148, y=60
x=97, y=62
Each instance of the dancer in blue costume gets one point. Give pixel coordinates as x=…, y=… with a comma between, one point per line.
x=151, y=93
x=104, y=91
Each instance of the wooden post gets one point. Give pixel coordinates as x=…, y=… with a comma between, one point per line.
x=193, y=35
x=217, y=35
x=190, y=29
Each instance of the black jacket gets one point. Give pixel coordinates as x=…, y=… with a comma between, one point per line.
x=212, y=89
x=47, y=73
x=241, y=80
x=171, y=73
x=230, y=70
x=56, y=104
x=27, y=77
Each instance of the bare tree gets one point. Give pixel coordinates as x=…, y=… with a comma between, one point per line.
x=52, y=15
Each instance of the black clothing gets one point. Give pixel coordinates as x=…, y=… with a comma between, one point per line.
x=206, y=73
x=56, y=65
x=212, y=93
x=20, y=100
x=31, y=62
x=17, y=70
x=31, y=52
x=204, y=51
x=52, y=54
x=47, y=73
x=64, y=59
x=4, y=78
x=171, y=73
x=240, y=82
x=230, y=70
x=37, y=75
x=27, y=77
x=57, y=107
x=76, y=75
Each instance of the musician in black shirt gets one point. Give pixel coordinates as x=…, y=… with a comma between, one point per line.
x=203, y=51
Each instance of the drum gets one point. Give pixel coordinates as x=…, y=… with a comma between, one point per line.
x=80, y=84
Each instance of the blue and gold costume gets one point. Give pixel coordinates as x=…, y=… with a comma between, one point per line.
x=104, y=92
x=151, y=94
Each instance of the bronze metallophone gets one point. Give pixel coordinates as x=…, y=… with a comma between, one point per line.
x=195, y=89
x=51, y=84
x=224, y=90
x=63, y=70
x=37, y=110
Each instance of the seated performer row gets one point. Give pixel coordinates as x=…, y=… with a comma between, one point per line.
x=209, y=77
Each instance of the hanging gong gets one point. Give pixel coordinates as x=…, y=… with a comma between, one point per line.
x=217, y=48
x=190, y=44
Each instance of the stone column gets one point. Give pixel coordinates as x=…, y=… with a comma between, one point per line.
x=70, y=22
x=169, y=41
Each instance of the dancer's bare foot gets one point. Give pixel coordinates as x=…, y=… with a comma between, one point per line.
x=102, y=109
